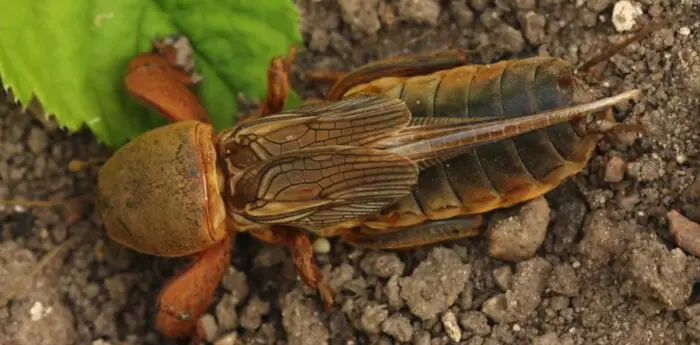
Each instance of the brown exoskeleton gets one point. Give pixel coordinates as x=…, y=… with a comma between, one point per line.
x=405, y=152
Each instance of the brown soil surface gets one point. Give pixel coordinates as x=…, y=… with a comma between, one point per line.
x=608, y=272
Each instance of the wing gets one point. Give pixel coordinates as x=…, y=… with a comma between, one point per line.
x=427, y=142
x=319, y=187
x=354, y=121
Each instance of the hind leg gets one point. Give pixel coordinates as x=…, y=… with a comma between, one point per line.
x=398, y=66
x=428, y=233
x=162, y=80
x=303, y=255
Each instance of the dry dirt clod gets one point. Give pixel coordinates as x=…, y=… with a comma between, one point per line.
x=529, y=282
x=658, y=274
x=475, y=322
x=236, y=283
x=603, y=238
x=398, y=327
x=516, y=235
x=648, y=168
x=564, y=280
x=393, y=292
x=361, y=15
x=510, y=39
x=372, y=318
x=251, y=316
x=226, y=312
x=534, y=26
x=420, y=11
x=462, y=13
x=382, y=264
x=549, y=338
x=435, y=284
x=43, y=323
x=301, y=322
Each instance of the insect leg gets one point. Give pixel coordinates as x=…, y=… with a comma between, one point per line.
x=399, y=66
x=277, y=87
x=187, y=295
x=162, y=80
x=302, y=254
x=427, y=233
x=616, y=48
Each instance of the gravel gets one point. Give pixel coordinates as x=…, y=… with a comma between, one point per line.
x=593, y=262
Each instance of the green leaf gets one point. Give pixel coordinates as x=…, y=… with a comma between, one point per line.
x=72, y=55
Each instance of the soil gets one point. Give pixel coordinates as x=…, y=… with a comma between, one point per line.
x=606, y=270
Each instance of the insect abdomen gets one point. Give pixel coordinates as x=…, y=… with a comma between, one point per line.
x=503, y=173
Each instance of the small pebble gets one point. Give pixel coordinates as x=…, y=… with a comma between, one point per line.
x=462, y=13
x=685, y=31
x=686, y=232
x=421, y=338
x=503, y=276
x=251, y=316
x=475, y=322
x=398, y=327
x=549, y=338
x=598, y=6
x=495, y=308
x=449, y=321
x=624, y=15
x=37, y=311
x=226, y=313
x=209, y=327
x=37, y=140
x=559, y=302
x=681, y=158
x=321, y=246
x=227, y=339
x=615, y=169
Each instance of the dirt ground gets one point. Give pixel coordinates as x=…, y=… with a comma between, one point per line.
x=608, y=270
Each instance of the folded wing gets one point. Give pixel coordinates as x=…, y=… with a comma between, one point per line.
x=319, y=187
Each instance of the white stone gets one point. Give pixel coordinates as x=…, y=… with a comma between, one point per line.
x=624, y=15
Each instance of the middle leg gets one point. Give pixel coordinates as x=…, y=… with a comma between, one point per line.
x=424, y=234
x=303, y=255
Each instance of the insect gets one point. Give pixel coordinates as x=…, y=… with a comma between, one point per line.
x=388, y=161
